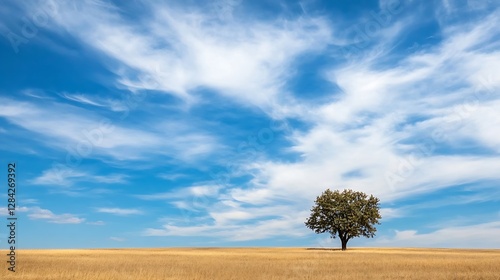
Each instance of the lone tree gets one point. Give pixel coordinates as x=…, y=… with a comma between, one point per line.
x=345, y=214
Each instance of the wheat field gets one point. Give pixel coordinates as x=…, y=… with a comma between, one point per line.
x=255, y=263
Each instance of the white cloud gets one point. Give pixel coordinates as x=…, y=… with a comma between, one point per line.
x=203, y=190
x=184, y=192
x=80, y=133
x=363, y=129
x=4, y=211
x=80, y=98
x=282, y=226
x=369, y=129
x=225, y=216
x=194, y=198
x=391, y=213
x=252, y=196
x=37, y=213
x=395, y=126
x=120, y=211
x=57, y=177
x=114, y=105
x=485, y=235
x=185, y=49
x=65, y=176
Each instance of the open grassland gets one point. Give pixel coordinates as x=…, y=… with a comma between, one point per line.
x=255, y=263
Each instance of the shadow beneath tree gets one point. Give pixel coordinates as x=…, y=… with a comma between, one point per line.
x=325, y=249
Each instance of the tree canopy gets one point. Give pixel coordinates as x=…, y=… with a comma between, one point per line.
x=345, y=214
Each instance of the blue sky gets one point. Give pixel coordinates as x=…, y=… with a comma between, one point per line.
x=182, y=123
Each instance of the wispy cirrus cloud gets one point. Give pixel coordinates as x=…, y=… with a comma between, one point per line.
x=400, y=127
x=192, y=198
x=67, y=176
x=410, y=109
x=391, y=213
x=186, y=49
x=484, y=235
x=4, y=211
x=81, y=133
x=120, y=211
x=382, y=120
x=286, y=226
x=184, y=192
x=37, y=213
x=113, y=105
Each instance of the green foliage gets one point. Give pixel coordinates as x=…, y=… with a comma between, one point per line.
x=345, y=214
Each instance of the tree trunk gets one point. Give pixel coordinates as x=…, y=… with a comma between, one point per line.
x=344, y=244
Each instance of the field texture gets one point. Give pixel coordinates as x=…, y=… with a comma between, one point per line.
x=255, y=263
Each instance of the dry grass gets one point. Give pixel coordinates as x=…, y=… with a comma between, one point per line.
x=255, y=263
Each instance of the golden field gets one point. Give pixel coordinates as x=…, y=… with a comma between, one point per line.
x=255, y=263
